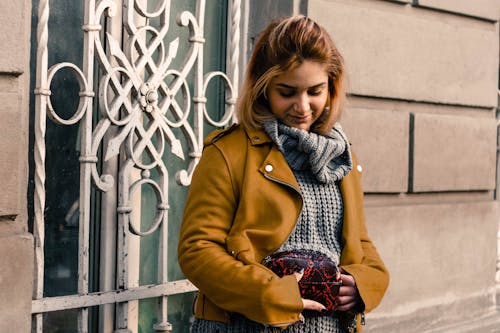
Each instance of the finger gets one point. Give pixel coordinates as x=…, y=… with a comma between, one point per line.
x=347, y=291
x=346, y=307
x=309, y=304
x=299, y=275
x=347, y=280
x=343, y=300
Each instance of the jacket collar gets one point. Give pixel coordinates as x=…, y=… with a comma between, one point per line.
x=257, y=137
x=274, y=166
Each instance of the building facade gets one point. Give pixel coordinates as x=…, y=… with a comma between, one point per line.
x=81, y=252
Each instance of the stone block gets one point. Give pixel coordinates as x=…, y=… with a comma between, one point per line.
x=16, y=279
x=453, y=153
x=10, y=165
x=437, y=255
x=380, y=140
x=488, y=9
x=8, y=85
x=405, y=53
x=15, y=19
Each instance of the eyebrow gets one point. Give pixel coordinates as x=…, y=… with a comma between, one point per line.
x=284, y=85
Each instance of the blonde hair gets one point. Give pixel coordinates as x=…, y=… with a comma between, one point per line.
x=285, y=45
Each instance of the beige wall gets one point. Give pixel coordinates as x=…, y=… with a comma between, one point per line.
x=423, y=82
x=16, y=245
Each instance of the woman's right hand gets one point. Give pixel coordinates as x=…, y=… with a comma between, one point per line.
x=309, y=304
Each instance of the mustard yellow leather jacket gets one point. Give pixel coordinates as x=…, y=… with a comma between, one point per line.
x=243, y=203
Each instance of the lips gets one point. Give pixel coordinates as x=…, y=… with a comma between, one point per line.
x=302, y=121
x=301, y=118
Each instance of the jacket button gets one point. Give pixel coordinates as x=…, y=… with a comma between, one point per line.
x=268, y=168
x=359, y=168
x=232, y=253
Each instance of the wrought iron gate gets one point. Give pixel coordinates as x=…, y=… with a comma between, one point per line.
x=141, y=105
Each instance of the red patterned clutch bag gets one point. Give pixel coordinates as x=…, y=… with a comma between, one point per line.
x=320, y=282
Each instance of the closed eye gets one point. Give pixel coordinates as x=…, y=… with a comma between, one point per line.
x=314, y=92
x=287, y=93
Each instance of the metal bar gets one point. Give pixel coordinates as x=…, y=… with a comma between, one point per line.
x=200, y=100
x=128, y=250
x=163, y=325
x=90, y=29
x=41, y=94
x=121, y=320
x=233, y=38
x=108, y=240
x=107, y=255
x=49, y=304
x=133, y=252
x=497, y=195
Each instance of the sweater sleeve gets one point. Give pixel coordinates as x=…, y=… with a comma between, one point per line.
x=234, y=285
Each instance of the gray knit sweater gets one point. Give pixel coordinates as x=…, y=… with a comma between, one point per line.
x=319, y=163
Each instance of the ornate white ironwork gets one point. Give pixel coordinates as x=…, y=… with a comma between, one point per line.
x=138, y=99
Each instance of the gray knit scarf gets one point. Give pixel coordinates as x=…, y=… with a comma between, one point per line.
x=327, y=156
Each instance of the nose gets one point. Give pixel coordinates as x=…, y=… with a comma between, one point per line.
x=302, y=103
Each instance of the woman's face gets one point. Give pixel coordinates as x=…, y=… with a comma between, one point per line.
x=298, y=96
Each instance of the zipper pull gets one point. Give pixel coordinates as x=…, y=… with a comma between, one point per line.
x=352, y=326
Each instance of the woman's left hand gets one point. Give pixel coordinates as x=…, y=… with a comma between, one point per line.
x=348, y=297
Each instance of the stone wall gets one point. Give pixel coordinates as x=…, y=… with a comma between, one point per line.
x=423, y=80
x=16, y=244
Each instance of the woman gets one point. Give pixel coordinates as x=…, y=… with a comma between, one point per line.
x=280, y=180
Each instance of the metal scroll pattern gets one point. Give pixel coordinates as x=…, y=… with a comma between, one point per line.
x=141, y=100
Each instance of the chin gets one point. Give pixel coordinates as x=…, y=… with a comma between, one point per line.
x=303, y=127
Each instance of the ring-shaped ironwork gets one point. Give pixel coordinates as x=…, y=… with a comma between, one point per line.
x=229, y=87
x=171, y=96
x=104, y=96
x=84, y=93
x=159, y=212
x=135, y=155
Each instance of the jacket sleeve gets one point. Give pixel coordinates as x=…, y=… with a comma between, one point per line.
x=360, y=257
x=371, y=275
x=246, y=288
